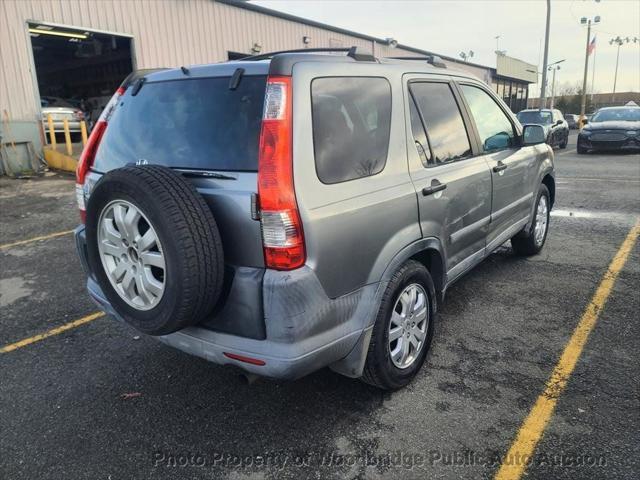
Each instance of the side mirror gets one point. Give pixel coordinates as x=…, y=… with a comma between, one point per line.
x=585, y=120
x=559, y=122
x=533, y=135
x=499, y=141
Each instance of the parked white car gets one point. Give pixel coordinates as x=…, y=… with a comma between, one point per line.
x=59, y=109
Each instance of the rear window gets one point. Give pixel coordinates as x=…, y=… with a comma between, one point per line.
x=190, y=123
x=537, y=117
x=351, y=122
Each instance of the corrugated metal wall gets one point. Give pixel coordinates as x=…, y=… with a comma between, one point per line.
x=166, y=33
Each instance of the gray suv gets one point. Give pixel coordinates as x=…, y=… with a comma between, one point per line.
x=292, y=211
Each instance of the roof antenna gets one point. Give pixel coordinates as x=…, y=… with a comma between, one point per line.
x=185, y=70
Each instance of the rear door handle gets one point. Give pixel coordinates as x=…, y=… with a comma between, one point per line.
x=436, y=186
x=500, y=167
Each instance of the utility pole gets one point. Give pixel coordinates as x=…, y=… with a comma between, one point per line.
x=593, y=74
x=615, y=75
x=543, y=93
x=583, y=103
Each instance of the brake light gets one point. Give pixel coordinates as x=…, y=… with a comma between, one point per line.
x=282, y=236
x=88, y=154
x=242, y=358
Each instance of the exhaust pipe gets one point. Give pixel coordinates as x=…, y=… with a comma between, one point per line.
x=248, y=378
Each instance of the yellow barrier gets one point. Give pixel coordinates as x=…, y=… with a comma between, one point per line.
x=83, y=132
x=67, y=137
x=52, y=132
x=59, y=160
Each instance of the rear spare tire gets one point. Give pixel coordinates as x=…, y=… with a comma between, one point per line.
x=154, y=248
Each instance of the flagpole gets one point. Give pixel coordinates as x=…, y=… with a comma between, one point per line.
x=583, y=100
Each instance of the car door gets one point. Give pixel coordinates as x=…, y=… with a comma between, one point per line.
x=453, y=185
x=512, y=167
x=553, y=130
x=563, y=127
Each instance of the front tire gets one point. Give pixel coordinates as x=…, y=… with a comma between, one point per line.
x=530, y=241
x=564, y=143
x=581, y=150
x=403, y=330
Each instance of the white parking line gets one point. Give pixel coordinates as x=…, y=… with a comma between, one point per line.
x=595, y=215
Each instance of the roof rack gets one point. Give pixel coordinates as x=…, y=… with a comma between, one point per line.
x=434, y=60
x=353, y=52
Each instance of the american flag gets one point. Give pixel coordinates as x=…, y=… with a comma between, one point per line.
x=592, y=46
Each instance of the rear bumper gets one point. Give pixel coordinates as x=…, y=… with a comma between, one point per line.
x=305, y=330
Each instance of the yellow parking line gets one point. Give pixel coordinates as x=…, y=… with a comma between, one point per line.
x=54, y=331
x=531, y=431
x=35, y=239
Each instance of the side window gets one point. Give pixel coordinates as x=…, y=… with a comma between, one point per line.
x=351, y=124
x=447, y=134
x=494, y=127
x=419, y=135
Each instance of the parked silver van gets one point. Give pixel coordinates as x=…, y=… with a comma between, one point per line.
x=298, y=210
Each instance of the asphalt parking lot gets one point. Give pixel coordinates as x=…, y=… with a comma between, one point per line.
x=98, y=401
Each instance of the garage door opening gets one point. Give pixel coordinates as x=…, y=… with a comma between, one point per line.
x=77, y=72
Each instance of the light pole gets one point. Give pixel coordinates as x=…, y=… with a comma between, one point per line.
x=465, y=56
x=543, y=93
x=554, y=67
x=619, y=41
x=583, y=103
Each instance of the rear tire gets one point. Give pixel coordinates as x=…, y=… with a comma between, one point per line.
x=383, y=368
x=186, y=238
x=530, y=241
x=581, y=150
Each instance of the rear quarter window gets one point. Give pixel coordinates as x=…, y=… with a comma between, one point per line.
x=351, y=124
x=192, y=123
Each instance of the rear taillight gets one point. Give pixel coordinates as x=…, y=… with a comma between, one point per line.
x=282, y=235
x=91, y=148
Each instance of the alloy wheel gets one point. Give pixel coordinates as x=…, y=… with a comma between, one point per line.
x=542, y=219
x=131, y=255
x=408, y=326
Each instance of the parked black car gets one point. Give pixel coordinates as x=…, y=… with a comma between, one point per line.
x=572, y=120
x=555, y=126
x=611, y=128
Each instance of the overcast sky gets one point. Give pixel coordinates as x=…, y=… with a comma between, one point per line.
x=450, y=27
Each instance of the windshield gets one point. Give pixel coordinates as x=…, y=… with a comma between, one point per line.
x=191, y=123
x=538, y=117
x=617, y=114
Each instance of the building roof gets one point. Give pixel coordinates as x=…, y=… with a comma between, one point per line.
x=312, y=23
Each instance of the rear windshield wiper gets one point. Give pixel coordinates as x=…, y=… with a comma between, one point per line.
x=235, y=78
x=137, y=86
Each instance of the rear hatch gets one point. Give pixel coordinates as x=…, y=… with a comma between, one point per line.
x=202, y=123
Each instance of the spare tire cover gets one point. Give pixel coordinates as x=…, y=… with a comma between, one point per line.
x=154, y=247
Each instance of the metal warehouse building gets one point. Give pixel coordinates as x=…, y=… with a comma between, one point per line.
x=76, y=52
